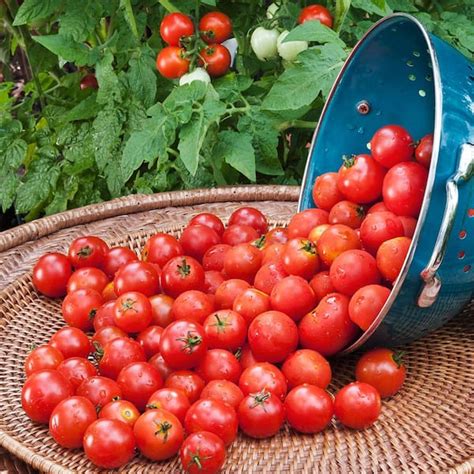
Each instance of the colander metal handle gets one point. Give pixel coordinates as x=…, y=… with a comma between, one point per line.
x=432, y=282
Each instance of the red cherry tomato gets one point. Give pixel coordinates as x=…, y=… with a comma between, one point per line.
x=347, y=213
x=321, y=285
x=70, y=420
x=215, y=27
x=308, y=408
x=214, y=416
x=360, y=179
x=379, y=227
x=424, y=150
x=261, y=414
x=317, y=232
x=336, y=240
x=89, y=278
x=268, y=276
x=105, y=335
x=159, y=434
x=99, y=390
x=116, y=258
x=273, y=253
x=409, y=225
x=89, y=81
x=300, y=258
x=246, y=358
x=383, y=369
x=202, y=453
x=71, y=342
x=239, y=234
x=121, y=410
x=88, y=251
x=132, y=312
x=212, y=281
x=404, y=188
x=209, y=220
x=228, y=292
x=328, y=328
x=181, y=274
x=242, y=262
x=225, y=329
x=150, y=339
x=213, y=259
x=183, y=344
x=357, y=405
x=117, y=354
x=278, y=235
x=250, y=303
x=174, y=27
x=138, y=381
x=192, y=305
x=303, y=222
x=188, y=382
x=137, y=276
x=171, y=400
x=307, y=367
x=159, y=363
x=219, y=364
x=161, y=307
x=391, y=256
x=108, y=293
x=75, y=370
x=42, y=392
x=109, y=443
x=51, y=274
x=262, y=376
x=197, y=239
x=216, y=59
x=272, y=336
x=316, y=13
x=172, y=63
x=326, y=192
x=160, y=248
x=42, y=358
x=79, y=308
x=251, y=217
x=378, y=207
x=352, y=270
x=391, y=145
x=223, y=391
x=366, y=303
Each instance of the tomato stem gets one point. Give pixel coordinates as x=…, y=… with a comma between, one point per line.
x=163, y=428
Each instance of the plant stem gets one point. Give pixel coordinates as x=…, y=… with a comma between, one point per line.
x=172, y=152
x=297, y=124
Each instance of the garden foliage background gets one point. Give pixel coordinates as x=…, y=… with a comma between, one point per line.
x=62, y=147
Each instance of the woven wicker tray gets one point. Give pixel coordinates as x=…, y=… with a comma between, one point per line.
x=428, y=427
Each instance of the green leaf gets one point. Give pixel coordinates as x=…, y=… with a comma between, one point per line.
x=14, y=155
x=9, y=182
x=142, y=77
x=80, y=19
x=229, y=86
x=237, y=151
x=314, y=72
x=129, y=16
x=144, y=146
x=64, y=193
x=314, y=31
x=180, y=101
x=342, y=8
x=68, y=49
x=378, y=7
x=109, y=87
x=84, y=110
x=402, y=5
x=32, y=10
x=460, y=27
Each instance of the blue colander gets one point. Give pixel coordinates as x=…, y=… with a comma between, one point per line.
x=400, y=74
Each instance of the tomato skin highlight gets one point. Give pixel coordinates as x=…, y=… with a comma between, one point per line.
x=303, y=222
x=75, y=370
x=192, y=305
x=213, y=259
x=239, y=234
x=383, y=369
x=321, y=285
x=261, y=415
x=197, y=239
x=325, y=191
x=379, y=227
x=366, y=303
x=347, y=213
x=391, y=145
x=109, y=443
x=70, y=420
x=300, y=258
x=223, y=391
x=171, y=62
x=42, y=392
x=150, y=339
x=71, y=342
x=308, y=408
x=175, y=26
x=209, y=220
x=90, y=278
x=268, y=276
x=391, y=256
x=242, y=261
x=219, y=364
x=336, y=240
x=117, y=354
x=161, y=310
x=42, y=358
x=51, y=274
x=171, y=400
x=306, y=366
x=116, y=258
x=272, y=336
x=357, y=405
x=228, y=291
x=215, y=27
x=161, y=248
x=251, y=217
x=202, y=453
x=137, y=276
x=250, y=303
x=190, y=383
x=263, y=376
x=99, y=390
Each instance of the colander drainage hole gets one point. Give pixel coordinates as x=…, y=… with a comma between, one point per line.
x=411, y=77
x=462, y=234
x=461, y=254
x=416, y=54
x=422, y=93
x=467, y=268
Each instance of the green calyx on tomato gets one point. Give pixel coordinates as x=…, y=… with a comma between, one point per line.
x=184, y=269
x=260, y=398
x=191, y=341
x=84, y=252
x=162, y=429
x=128, y=304
x=348, y=161
x=309, y=247
x=260, y=242
x=221, y=324
x=398, y=358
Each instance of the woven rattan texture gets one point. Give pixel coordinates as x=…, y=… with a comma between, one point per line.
x=428, y=427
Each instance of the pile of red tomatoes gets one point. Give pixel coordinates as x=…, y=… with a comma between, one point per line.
x=228, y=326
